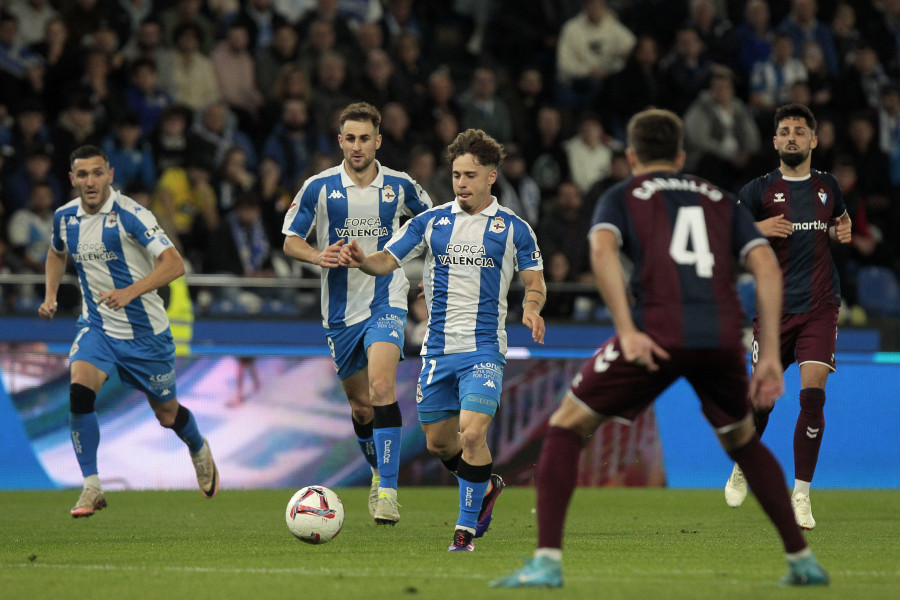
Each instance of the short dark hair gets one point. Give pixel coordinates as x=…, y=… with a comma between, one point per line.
x=487, y=151
x=361, y=111
x=87, y=151
x=796, y=111
x=655, y=135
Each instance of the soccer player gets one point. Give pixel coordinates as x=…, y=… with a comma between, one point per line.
x=684, y=236
x=473, y=246
x=122, y=257
x=364, y=318
x=798, y=208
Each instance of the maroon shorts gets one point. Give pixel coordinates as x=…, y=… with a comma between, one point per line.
x=805, y=337
x=608, y=385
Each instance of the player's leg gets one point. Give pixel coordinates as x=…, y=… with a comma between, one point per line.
x=86, y=381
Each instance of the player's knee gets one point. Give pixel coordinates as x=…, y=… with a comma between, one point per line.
x=171, y=415
x=737, y=435
x=472, y=437
x=81, y=399
x=381, y=391
x=361, y=413
x=442, y=449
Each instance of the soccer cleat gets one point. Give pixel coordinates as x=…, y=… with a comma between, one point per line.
x=805, y=571
x=736, y=488
x=386, y=510
x=803, y=510
x=373, y=493
x=537, y=572
x=462, y=541
x=487, y=505
x=207, y=473
x=91, y=499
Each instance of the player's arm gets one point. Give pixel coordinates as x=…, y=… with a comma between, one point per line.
x=843, y=229
x=766, y=383
x=637, y=346
x=376, y=263
x=53, y=273
x=167, y=267
x=535, y=296
x=299, y=249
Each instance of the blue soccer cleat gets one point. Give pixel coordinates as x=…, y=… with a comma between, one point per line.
x=538, y=572
x=487, y=506
x=805, y=571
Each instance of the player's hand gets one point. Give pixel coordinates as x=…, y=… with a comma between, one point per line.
x=843, y=230
x=352, y=256
x=328, y=258
x=766, y=383
x=116, y=299
x=640, y=349
x=535, y=322
x=421, y=293
x=776, y=226
x=47, y=310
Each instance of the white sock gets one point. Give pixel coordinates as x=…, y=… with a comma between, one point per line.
x=469, y=529
x=552, y=553
x=392, y=492
x=801, y=487
x=795, y=556
x=92, y=481
x=375, y=473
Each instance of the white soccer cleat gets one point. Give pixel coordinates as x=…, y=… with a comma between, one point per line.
x=373, y=493
x=91, y=500
x=387, y=510
x=736, y=488
x=803, y=510
x=207, y=473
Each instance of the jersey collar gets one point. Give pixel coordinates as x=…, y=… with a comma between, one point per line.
x=489, y=211
x=107, y=206
x=377, y=182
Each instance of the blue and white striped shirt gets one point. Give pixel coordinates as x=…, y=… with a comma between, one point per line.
x=339, y=209
x=112, y=249
x=469, y=265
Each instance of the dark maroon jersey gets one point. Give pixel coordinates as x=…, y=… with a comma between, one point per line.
x=811, y=203
x=685, y=237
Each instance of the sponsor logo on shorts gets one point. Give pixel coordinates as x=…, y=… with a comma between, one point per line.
x=161, y=381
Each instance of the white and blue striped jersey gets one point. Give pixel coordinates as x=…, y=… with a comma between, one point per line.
x=112, y=249
x=469, y=265
x=338, y=208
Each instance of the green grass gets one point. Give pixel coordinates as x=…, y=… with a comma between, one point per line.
x=621, y=543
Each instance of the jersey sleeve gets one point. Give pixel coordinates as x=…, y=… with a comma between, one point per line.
x=409, y=241
x=751, y=199
x=415, y=199
x=56, y=241
x=610, y=214
x=745, y=234
x=143, y=227
x=528, y=255
x=840, y=207
x=301, y=215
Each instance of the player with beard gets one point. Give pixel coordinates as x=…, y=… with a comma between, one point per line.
x=799, y=210
x=364, y=317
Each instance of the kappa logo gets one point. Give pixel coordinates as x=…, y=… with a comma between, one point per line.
x=823, y=196
x=72, y=222
x=387, y=194
x=498, y=225
x=336, y=194
x=394, y=334
x=490, y=383
x=443, y=221
x=779, y=197
x=165, y=392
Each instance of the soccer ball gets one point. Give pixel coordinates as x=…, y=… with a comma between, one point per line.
x=315, y=514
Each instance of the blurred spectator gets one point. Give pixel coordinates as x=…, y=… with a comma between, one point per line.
x=592, y=46
x=83, y=17
x=261, y=20
x=843, y=30
x=73, y=128
x=292, y=142
x=412, y=66
x=33, y=16
x=589, y=153
x=105, y=39
x=771, y=80
x=292, y=10
x=147, y=42
x=60, y=61
x=720, y=40
x=273, y=60
x=328, y=12
x=360, y=12
x=642, y=77
x=754, y=36
x=36, y=169
x=445, y=130
x=860, y=84
x=126, y=17
x=479, y=12
x=380, y=83
x=524, y=102
x=331, y=88
x=546, y=157
x=440, y=98
x=130, y=156
x=184, y=12
x=292, y=82
x=236, y=74
x=21, y=69
x=515, y=189
x=319, y=41
x=239, y=245
x=144, y=97
x=169, y=141
x=233, y=178
x=720, y=134
x=216, y=132
x=101, y=90
x=422, y=167
x=274, y=198
x=871, y=163
x=801, y=24
x=369, y=36
x=31, y=227
x=827, y=149
x=685, y=71
x=400, y=19
x=881, y=29
x=888, y=120
x=397, y=139
x=482, y=108
x=619, y=170
x=30, y=132
x=190, y=74
x=821, y=83
x=526, y=33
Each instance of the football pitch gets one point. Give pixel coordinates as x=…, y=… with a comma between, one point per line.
x=620, y=543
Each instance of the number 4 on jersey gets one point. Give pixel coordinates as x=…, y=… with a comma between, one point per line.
x=690, y=243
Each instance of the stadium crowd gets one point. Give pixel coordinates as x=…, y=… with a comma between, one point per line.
x=214, y=112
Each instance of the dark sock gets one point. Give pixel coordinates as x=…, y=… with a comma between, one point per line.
x=808, y=433
x=366, y=441
x=557, y=476
x=761, y=420
x=452, y=463
x=766, y=478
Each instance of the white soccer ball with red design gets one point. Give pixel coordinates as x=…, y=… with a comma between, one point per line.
x=315, y=514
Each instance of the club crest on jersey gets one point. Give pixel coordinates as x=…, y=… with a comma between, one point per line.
x=823, y=196
x=779, y=197
x=387, y=194
x=111, y=220
x=497, y=225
